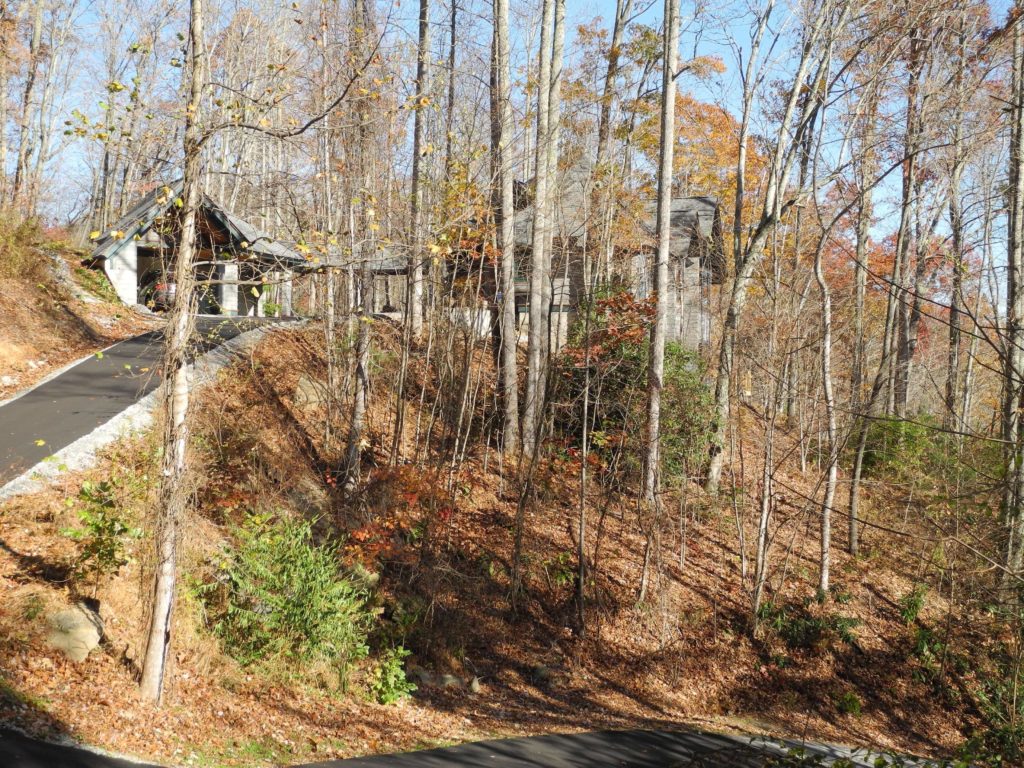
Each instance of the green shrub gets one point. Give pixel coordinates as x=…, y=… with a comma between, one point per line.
x=912, y=603
x=281, y=597
x=799, y=628
x=387, y=681
x=997, y=696
x=849, y=703
x=614, y=358
x=105, y=529
x=897, y=447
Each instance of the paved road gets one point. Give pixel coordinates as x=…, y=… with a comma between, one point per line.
x=17, y=751
x=82, y=398
x=607, y=749
x=621, y=749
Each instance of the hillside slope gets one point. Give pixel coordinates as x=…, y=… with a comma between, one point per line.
x=847, y=669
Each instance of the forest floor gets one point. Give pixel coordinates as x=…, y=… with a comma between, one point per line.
x=846, y=670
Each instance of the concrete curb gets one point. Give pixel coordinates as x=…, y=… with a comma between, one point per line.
x=135, y=418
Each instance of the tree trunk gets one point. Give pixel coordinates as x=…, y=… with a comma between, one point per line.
x=656, y=360
x=414, y=296
x=538, y=270
x=24, y=127
x=174, y=489
x=951, y=418
x=1013, y=399
x=506, y=228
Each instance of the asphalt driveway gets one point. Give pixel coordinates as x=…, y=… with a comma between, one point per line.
x=62, y=410
x=605, y=749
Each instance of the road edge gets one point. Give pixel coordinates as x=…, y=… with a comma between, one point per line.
x=138, y=416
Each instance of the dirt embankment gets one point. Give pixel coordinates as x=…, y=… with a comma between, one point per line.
x=441, y=542
x=54, y=311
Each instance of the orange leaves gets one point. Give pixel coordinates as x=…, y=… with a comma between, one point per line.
x=406, y=503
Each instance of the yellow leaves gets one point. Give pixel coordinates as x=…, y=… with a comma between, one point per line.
x=255, y=291
x=704, y=66
x=94, y=235
x=244, y=244
x=302, y=248
x=115, y=87
x=374, y=226
x=117, y=234
x=40, y=443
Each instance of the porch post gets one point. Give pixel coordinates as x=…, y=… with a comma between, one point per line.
x=229, y=289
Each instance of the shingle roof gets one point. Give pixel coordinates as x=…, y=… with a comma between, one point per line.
x=385, y=260
x=688, y=216
x=572, y=210
x=160, y=200
x=258, y=242
x=138, y=219
x=571, y=206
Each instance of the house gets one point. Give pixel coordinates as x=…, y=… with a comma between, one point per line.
x=389, y=271
x=240, y=269
x=696, y=262
x=696, y=252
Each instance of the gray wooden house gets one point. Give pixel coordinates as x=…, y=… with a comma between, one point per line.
x=240, y=269
x=697, y=260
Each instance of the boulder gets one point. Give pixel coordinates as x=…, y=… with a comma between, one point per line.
x=75, y=631
x=309, y=393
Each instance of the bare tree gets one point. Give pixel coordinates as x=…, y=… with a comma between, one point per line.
x=656, y=361
x=502, y=94
x=174, y=488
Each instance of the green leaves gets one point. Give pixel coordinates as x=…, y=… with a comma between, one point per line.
x=280, y=596
x=105, y=529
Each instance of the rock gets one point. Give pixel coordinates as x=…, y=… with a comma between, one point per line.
x=75, y=631
x=450, y=681
x=309, y=393
x=420, y=676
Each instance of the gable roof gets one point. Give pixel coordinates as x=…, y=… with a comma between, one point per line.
x=689, y=216
x=138, y=219
x=141, y=217
x=570, y=203
x=698, y=215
